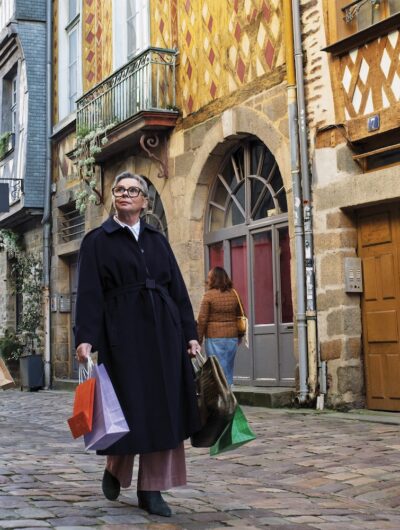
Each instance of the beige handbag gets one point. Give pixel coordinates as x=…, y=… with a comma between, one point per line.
x=241, y=322
x=6, y=381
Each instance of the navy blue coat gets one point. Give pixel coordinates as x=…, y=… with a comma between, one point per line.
x=133, y=307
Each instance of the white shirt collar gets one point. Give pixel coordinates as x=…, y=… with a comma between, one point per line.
x=135, y=229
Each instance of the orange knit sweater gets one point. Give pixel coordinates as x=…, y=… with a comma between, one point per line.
x=217, y=315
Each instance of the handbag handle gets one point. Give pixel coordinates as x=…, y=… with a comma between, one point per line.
x=85, y=371
x=240, y=303
x=198, y=361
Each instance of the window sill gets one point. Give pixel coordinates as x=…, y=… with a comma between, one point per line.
x=362, y=37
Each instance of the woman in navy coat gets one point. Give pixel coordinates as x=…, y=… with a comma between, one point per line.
x=133, y=308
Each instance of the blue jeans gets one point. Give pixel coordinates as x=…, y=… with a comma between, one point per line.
x=225, y=350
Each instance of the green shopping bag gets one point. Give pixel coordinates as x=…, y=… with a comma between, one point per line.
x=237, y=433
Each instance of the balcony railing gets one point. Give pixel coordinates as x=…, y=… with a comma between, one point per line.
x=147, y=83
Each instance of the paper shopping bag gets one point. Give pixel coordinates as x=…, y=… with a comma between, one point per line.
x=6, y=380
x=82, y=419
x=237, y=433
x=109, y=424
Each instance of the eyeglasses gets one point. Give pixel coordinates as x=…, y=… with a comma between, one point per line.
x=132, y=192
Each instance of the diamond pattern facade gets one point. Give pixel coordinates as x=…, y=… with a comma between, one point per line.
x=370, y=77
x=96, y=41
x=223, y=45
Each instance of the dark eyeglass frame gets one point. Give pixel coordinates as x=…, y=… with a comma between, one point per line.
x=132, y=191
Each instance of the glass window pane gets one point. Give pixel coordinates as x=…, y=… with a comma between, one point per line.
x=263, y=283
x=130, y=6
x=262, y=204
x=217, y=219
x=220, y=194
x=257, y=152
x=235, y=216
x=286, y=286
x=72, y=9
x=216, y=255
x=239, y=269
x=72, y=46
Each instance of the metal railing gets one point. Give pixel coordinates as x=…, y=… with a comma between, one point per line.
x=147, y=83
x=15, y=188
x=71, y=226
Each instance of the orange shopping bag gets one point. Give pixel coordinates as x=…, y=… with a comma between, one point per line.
x=82, y=419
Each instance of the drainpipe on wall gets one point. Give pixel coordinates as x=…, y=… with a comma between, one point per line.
x=297, y=205
x=314, y=360
x=46, y=221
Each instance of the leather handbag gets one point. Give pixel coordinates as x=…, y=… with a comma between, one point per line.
x=241, y=321
x=215, y=398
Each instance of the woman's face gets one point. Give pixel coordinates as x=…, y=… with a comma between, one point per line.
x=126, y=204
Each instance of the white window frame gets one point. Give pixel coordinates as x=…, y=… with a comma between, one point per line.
x=121, y=53
x=69, y=27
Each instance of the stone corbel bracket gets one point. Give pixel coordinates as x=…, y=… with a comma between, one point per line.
x=149, y=142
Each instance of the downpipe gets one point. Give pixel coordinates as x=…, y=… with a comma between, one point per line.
x=316, y=368
x=46, y=220
x=303, y=393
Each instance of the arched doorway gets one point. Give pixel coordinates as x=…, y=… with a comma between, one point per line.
x=246, y=232
x=155, y=214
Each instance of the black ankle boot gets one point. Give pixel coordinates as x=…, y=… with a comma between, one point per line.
x=152, y=502
x=111, y=486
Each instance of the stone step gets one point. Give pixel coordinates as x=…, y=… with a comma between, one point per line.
x=270, y=397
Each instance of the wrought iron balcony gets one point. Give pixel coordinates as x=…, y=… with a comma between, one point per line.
x=147, y=83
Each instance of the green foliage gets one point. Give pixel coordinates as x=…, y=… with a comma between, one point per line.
x=26, y=273
x=4, y=144
x=89, y=143
x=10, y=346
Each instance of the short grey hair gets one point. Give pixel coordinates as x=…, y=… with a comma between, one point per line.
x=139, y=178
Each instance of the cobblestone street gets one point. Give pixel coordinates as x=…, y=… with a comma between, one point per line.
x=306, y=470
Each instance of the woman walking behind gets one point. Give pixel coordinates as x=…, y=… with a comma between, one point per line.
x=217, y=322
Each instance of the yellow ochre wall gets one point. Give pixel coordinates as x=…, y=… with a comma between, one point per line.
x=96, y=42
x=223, y=45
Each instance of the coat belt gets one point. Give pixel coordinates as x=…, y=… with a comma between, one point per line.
x=148, y=285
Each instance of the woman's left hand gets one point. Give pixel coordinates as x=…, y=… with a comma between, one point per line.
x=193, y=348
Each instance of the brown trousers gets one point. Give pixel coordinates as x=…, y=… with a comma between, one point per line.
x=158, y=471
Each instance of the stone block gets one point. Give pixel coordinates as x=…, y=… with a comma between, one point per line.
x=353, y=348
x=344, y=321
x=284, y=128
x=339, y=220
x=331, y=349
x=331, y=270
x=183, y=164
x=199, y=204
x=345, y=162
x=334, y=298
x=276, y=108
x=336, y=240
x=350, y=379
x=178, y=187
x=177, y=144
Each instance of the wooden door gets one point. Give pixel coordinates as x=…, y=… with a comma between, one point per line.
x=379, y=245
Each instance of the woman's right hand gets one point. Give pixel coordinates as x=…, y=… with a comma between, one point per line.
x=83, y=351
